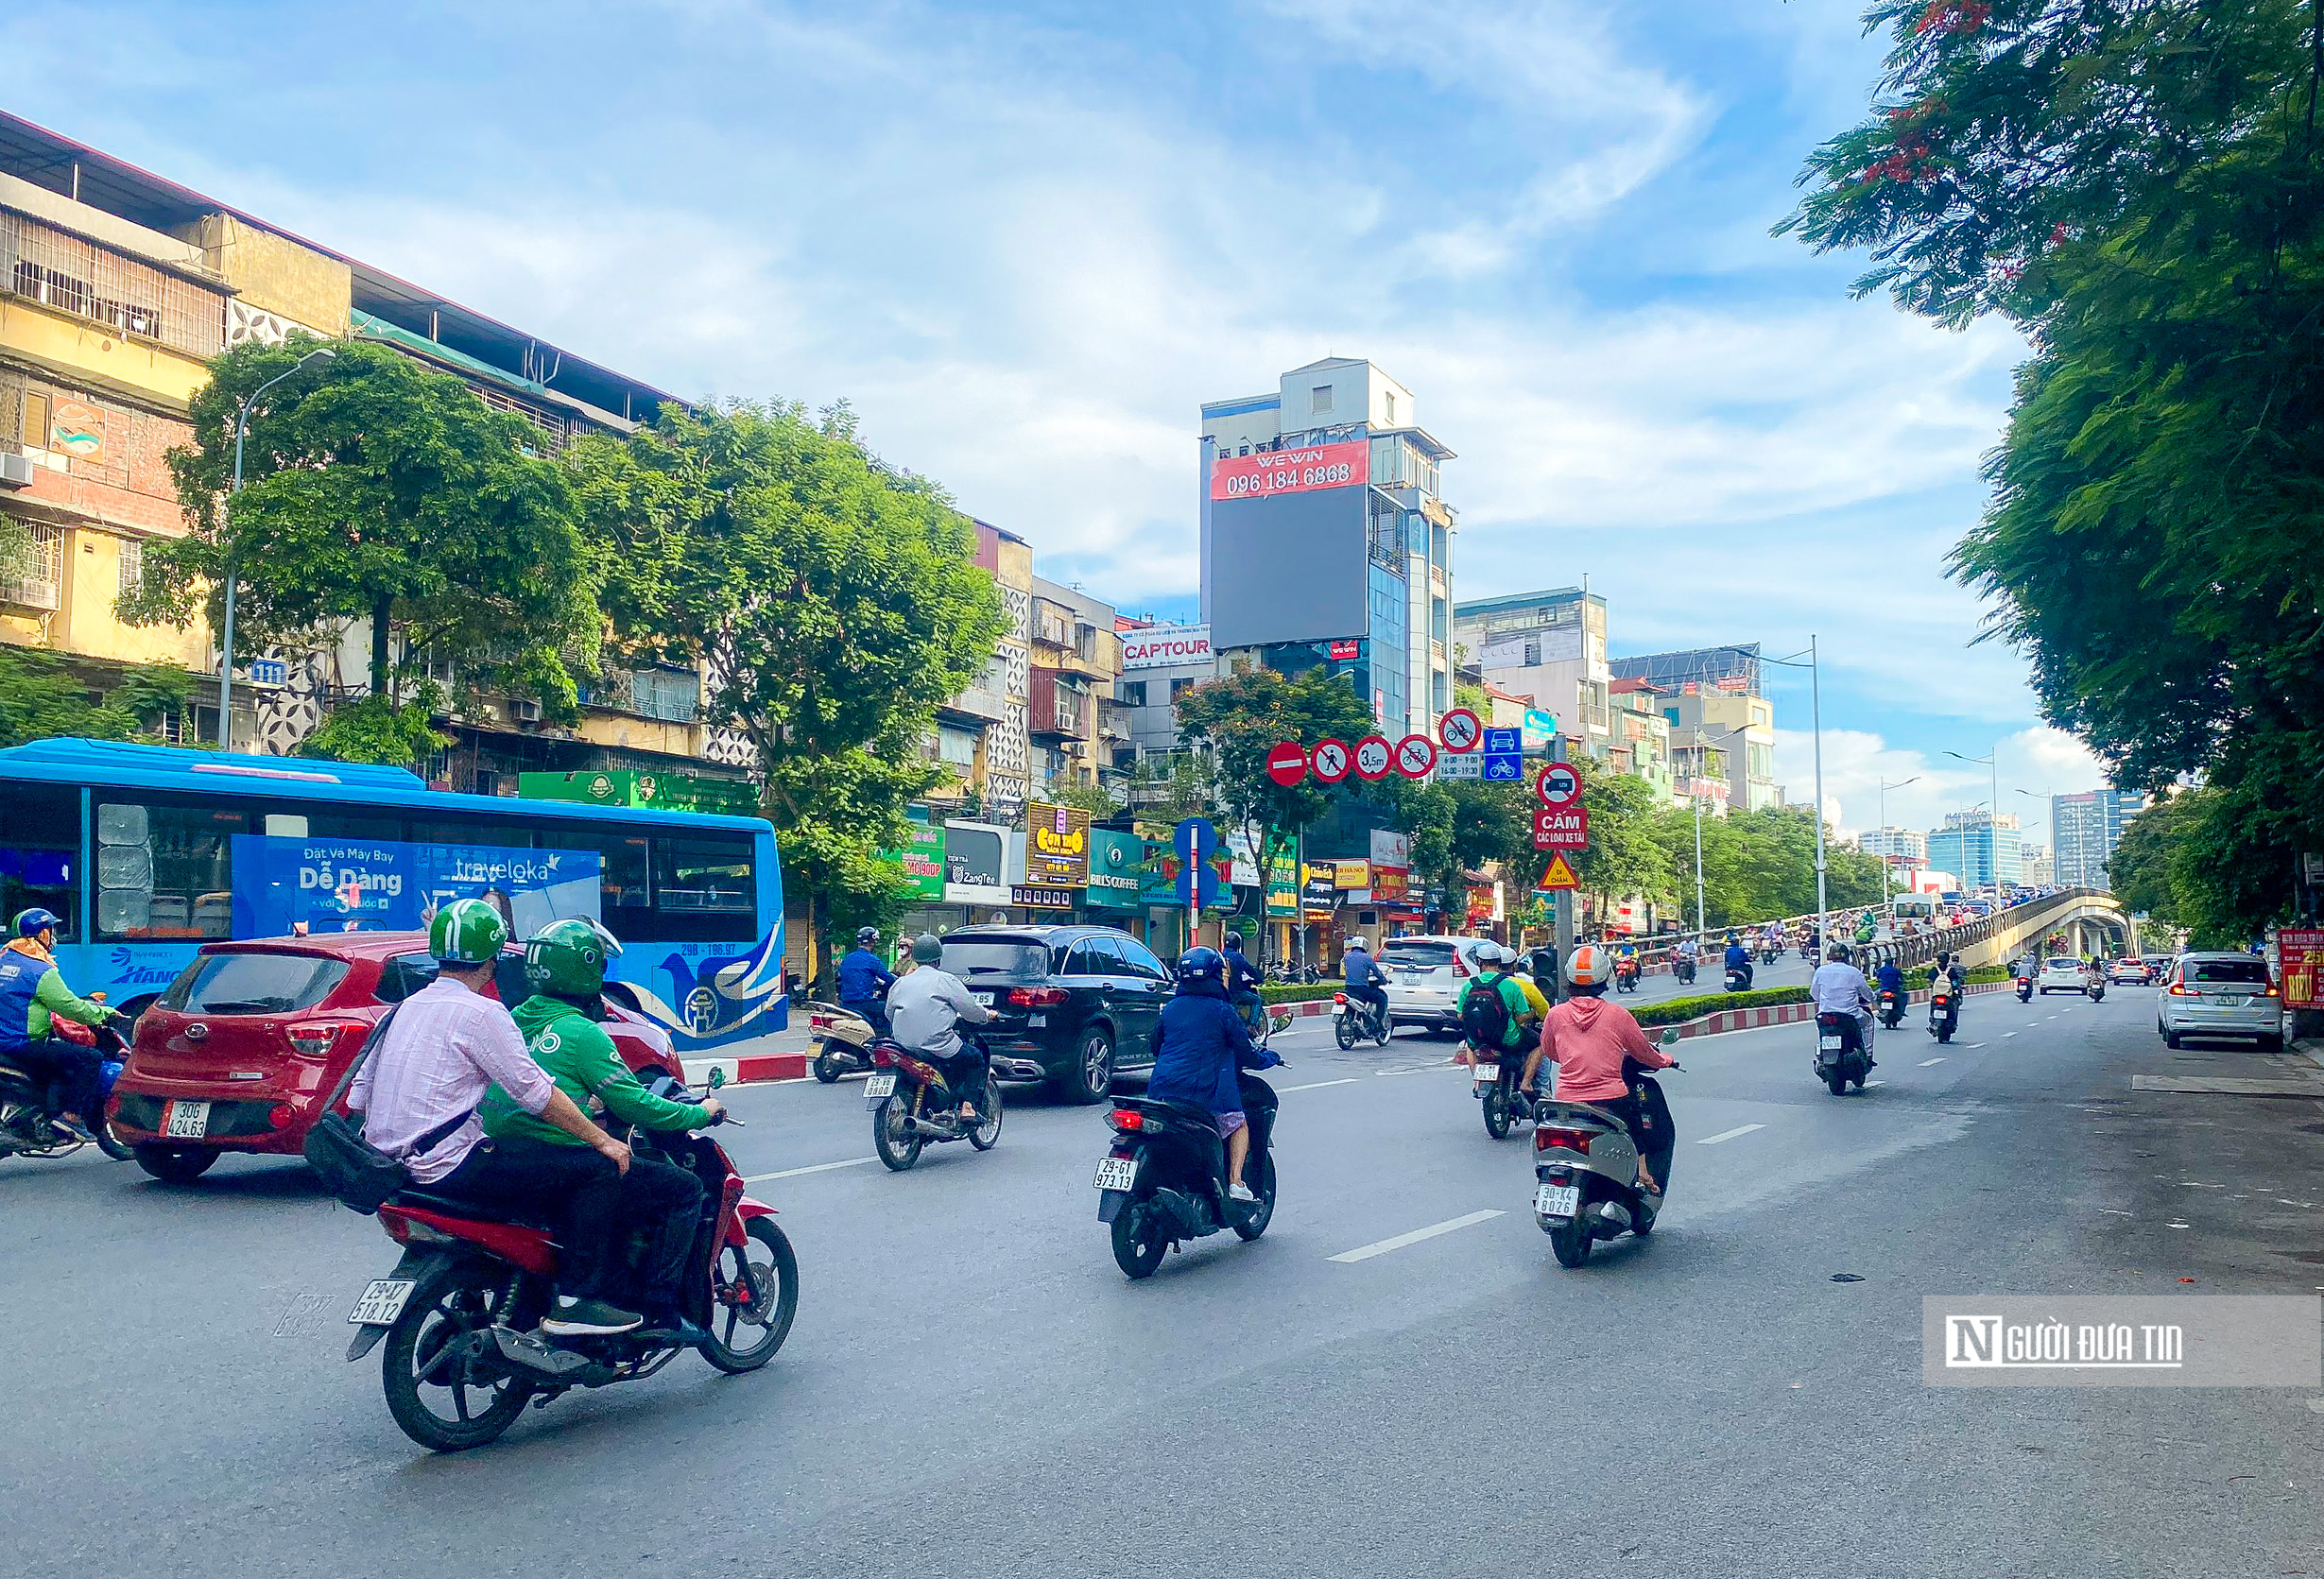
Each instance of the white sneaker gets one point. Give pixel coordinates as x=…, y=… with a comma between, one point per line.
x=1242, y=1192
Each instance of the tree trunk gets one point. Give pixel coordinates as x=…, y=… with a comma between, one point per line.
x=380, y=613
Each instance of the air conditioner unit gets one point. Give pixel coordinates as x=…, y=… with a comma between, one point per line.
x=15, y=471
x=525, y=710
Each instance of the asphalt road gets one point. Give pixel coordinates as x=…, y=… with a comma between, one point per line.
x=973, y=1389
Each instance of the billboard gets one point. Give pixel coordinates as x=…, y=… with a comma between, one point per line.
x=1161, y=646
x=1056, y=846
x=1287, y=543
x=333, y=884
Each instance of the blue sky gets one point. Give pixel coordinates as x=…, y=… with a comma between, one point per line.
x=1026, y=241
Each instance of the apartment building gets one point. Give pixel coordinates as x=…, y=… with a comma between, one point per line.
x=1076, y=719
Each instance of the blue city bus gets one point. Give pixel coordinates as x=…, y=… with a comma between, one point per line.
x=149, y=851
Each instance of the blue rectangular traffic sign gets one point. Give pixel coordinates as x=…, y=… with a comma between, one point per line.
x=1505, y=764
x=1503, y=743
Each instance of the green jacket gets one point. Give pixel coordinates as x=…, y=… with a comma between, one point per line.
x=1512, y=998
x=51, y=997
x=582, y=1060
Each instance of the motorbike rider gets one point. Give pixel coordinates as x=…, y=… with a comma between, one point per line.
x=1890, y=978
x=1839, y=988
x=1739, y=958
x=1626, y=957
x=1497, y=1031
x=566, y=963
x=1243, y=979
x=1589, y=1037
x=864, y=981
x=1199, y=1047
x=1945, y=970
x=928, y=1008
x=1365, y=978
x=420, y=1093
x=32, y=994
x=1688, y=950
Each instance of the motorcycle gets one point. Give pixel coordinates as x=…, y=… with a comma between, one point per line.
x=1891, y=1008
x=1736, y=980
x=1494, y=1082
x=912, y=1104
x=1769, y=954
x=1840, y=1058
x=27, y=1120
x=460, y=1314
x=2097, y=991
x=1625, y=976
x=2025, y=990
x=1683, y=969
x=1944, y=1009
x=1353, y=1022
x=1164, y=1180
x=1585, y=1169
x=843, y=1041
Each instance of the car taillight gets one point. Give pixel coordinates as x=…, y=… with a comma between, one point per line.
x=280, y=1115
x=1037, y=997
x=1554, y=1138
x=1460, y=965
x=2177, y=990
x=316, y=1038
x=2271, y=991
x=1126, y=1118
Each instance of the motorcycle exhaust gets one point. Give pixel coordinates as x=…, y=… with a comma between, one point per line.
x=1613, y=1217
x=536, y=1356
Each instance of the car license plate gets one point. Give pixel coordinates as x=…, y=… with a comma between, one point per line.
x=1557, y=1200
x=879, y=1087
x=382, y=1301
x=1117, y=1173
x=987, y=998
x=1035, y=1021
x=1486, y=1073
x=1829, y=1044
x=186, y=1121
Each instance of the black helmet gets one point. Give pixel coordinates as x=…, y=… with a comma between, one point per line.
x=1234, y=941
x=866, y=936
x=1200, y=964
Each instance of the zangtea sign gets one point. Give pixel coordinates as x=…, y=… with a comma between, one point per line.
x=1165, y=645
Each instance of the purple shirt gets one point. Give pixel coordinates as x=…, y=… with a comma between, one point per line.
x=447, y=1047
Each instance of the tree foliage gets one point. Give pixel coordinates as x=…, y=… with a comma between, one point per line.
x=375, y=488
x=377, y=729
x=40, y=697
x=1235, y=719
x=831, y=600
x=2137, y=185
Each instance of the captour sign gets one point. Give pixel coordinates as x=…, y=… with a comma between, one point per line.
x=1162, y=646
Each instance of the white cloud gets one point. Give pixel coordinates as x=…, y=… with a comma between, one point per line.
x=2034, y=765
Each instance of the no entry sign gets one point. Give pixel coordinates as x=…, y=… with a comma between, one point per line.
x=1329, y=760
x=1416, y=756
x=1287, y=763
x=1373, y=757
x=1559, y=784
x=1461, y=730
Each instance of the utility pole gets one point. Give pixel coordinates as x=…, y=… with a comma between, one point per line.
x=1566, y=897
x=242, y=428
x=1815, y=699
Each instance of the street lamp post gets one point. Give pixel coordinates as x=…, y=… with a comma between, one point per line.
x=1816, y=705
x=1992, y=816
x=1695, y=794
x=1884, y=788
x=226, y=668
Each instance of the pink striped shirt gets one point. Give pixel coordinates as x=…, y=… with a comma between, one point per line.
x=447, y=1047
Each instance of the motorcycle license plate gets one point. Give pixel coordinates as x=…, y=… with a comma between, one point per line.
x=1829, y=1044
x=186, y=1121
x=880, y=1088
x=1485, y=1074
x=1557, y=1200
x=1117, y=1173
x=382, y=1301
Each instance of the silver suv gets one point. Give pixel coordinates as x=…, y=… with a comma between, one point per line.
x=1425, y=976
x=2220, y=995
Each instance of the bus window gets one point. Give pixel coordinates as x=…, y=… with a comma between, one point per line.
x=626, y=903
x=164, y=870
x=703, y=876
x=40, y=852
x=328, y=822
x=494, y=835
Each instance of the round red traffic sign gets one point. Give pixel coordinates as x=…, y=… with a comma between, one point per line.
x=1461, y=730
x=1373, y=757
x=1287, y=763
x=1559, y=784
x=1416, y=756
x=1329, y=760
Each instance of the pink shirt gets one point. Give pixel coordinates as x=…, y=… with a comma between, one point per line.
x=1587, y=1039
x=447, y=1047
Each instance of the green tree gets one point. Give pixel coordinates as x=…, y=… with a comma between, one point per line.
x=42, y=698
x=376, y=488
x=1625, y=856
x=1236, y=719
x=2138, y=187
x=831, y=600
x=376, y=728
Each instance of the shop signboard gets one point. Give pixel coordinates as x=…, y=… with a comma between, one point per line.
x=1117, y=870
x=1057, y=844
x=921, y=861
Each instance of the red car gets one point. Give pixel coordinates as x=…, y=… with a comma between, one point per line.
x=243, y=1050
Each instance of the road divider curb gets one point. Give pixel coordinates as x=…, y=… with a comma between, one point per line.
x=756, y=1070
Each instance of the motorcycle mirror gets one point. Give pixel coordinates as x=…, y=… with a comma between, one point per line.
x=1670, y=1036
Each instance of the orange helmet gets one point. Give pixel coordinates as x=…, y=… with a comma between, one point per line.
x=1587, y=965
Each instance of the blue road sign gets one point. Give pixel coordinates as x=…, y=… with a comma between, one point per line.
x=1503, y=743
x=1506, y=766
x=1196, y=843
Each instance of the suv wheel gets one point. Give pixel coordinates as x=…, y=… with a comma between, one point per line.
x=1092, y=1074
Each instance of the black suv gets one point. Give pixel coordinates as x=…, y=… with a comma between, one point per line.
x=1071, y=1004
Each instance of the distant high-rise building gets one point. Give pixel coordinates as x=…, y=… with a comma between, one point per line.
x=1972, y=848
x=1907, y=844
x=2084, y=829
x=2034, y=866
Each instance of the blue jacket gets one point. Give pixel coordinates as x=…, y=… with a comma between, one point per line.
x=1890, y=978
x=1242, y=976
x=1738, y=956
x=1361, y=969
x=862, y=977
x=1201, y=1044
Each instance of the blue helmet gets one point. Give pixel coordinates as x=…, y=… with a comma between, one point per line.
x=1200, y=964
x=32, y=922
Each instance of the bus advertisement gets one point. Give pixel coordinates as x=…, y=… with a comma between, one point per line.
x=148, y=852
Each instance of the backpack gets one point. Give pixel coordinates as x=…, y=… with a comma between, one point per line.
x=1484, y=1016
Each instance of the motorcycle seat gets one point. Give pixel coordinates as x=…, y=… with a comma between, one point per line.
x=454, y=1206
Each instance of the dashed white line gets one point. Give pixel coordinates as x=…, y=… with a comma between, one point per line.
x=1729, y=1134
x=814, y=1168
x=1316, y=1085
x=1927, y=1062
x=2005, y=1034
x=1869, y=1084
x=1382, y=1246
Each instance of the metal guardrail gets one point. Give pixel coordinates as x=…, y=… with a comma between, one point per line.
x=1904, y=953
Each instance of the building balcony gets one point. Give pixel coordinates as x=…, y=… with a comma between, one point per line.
x=1058, y=707
x=977, y=704
x=1114, y=719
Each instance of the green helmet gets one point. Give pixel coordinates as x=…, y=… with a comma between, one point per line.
x=568, y=957
x=467, y=932
x=928, y=948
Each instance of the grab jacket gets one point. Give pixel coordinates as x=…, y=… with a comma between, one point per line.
x=581, y=1058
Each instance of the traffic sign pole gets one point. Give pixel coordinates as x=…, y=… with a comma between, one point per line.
x=1566, y=905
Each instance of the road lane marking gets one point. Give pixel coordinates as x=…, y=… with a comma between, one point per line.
x=1729, y=1134
x=1927, y=1062
x=817, y=1168
x=2117, y=1212
x=1382, y=1246
x=1319, y=1085
x=2006, y=1035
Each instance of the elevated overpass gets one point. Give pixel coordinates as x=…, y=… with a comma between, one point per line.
x=2084, y=915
